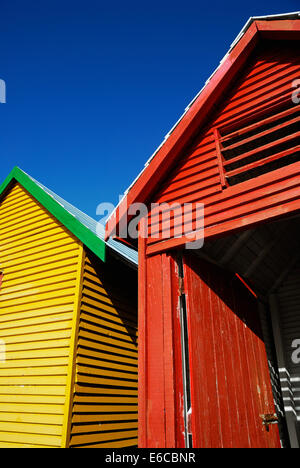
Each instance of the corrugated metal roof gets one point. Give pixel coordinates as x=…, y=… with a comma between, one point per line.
x=125, y=252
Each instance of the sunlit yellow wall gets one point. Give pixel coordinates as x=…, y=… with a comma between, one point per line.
x=38, y=306
x=105, y=409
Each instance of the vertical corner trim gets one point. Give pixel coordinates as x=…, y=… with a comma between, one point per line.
x=73, y=344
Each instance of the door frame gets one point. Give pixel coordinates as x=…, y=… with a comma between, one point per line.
x=291, y=419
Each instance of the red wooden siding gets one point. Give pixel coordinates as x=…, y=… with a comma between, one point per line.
x=262, y=90
x=160, y=374
x=230, y=381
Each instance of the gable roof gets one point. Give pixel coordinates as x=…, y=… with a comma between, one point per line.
x=279, y=26
x=82, y=226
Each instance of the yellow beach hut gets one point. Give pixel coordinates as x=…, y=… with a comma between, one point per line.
x=68, y=325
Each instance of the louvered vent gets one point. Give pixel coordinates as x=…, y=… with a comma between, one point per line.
x=269, y=141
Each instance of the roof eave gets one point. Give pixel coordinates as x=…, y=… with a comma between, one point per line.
x=137, y=192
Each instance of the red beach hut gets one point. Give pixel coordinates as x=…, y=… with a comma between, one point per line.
x=219, y=324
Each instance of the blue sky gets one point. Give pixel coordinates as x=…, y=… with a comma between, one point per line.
x=93, y=87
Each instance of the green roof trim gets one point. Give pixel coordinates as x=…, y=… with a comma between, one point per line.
x=87, y=237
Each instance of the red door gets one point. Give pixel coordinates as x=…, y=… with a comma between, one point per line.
x=229, y=377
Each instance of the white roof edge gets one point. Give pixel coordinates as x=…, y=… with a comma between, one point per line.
x=266, y=18
x=235, y=42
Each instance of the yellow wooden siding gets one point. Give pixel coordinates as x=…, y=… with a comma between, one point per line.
x=105, y=409
x=40, y=261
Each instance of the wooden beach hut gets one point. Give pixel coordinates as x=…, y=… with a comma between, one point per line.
x=68, y=325
x=219, y=325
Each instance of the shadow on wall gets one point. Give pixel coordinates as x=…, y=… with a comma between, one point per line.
x=120, y=286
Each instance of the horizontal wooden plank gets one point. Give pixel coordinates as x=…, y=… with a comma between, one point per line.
x=196, y=164
x=25, y=323
x=38, y=336
x=32, y=229
x=33, y=399
x=271, y=78
x=115, y=322
x=27, y=428
x=106, y=329
x=240, y=107
x=36, y=315
x=105, y=372
x=55, y=419
x=103, y=381
x=38, y=294
x=14, y=198
x=36, y=273
x=99, y=428
x=92, y=438
x=83, y=390
x=49, y=254
x=32, y=390
x=39, y=305
x=25, y=288
x=16, y=209
x=126, y=347
x=11, y=445
x=273, y=145
x=230, y=226
x=104, y=347
x=263, y=161
x=110, y=315
x=41, y=249
x=30, y=408
x=85, y=418
x=14, y=218
x=237, y=201
x=92, y=361
x=105, y=408
x=38, y=238
x=261, y=123
x=210, y=186
x=23, y=223
x=38, y=349
x=112, y=444
x=35, y=439
x=99, y=353
x=192, y=194
x=58, y=325
x=116, y=297
x=43, y=279
x=95, y=302
x=48, y=261
x=9, y=373
x=106, y=400
x=200, y=178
